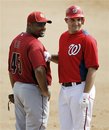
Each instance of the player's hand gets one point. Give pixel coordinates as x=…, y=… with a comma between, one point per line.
x=47, y=56
x=46, y=94
x=84, y=100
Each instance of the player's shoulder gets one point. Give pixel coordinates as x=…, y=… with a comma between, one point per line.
x=64, y=34
x=29, y=39
x=89, y=39
x=26, y=39
x=22, y=36
x=88, y=36
x=15, y=39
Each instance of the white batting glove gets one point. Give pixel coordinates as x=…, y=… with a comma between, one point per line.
x=47, y=56
x=84, y=100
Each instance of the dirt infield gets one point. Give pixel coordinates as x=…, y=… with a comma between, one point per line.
x=13, y=15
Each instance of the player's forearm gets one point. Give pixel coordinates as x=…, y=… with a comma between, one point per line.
x=54, y=58
x=11, y=80
x=40, y=74
x=90, y=79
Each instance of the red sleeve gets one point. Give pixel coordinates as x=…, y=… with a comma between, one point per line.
x=36, y=56
x=91, y=53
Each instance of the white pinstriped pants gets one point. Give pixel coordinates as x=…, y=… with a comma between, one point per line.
x=72, y=117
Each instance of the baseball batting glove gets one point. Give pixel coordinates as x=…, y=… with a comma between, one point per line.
x=47, y=56
x=11, y=100
x=84, y=100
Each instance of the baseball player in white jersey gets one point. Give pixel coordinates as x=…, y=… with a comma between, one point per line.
x=77, y=65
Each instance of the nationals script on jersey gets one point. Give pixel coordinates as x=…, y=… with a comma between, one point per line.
x=80, y=50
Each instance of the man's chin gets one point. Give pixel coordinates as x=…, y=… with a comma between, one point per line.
x=41, y=35
x=38, y=35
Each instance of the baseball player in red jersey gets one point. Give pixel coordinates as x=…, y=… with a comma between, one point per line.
x=77, y=65
x=30, y=75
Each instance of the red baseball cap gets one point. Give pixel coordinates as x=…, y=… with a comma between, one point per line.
x=37, y=17
x=74, y=11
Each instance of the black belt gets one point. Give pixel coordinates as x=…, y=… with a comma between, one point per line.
x=70, y=84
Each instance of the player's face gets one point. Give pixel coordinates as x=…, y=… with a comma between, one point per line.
x=74, y=24
x=38, y=29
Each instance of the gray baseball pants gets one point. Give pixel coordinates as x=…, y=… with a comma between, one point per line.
x=31, y=108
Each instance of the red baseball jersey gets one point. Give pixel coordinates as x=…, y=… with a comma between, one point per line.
x=26, y=54
x=77, y=52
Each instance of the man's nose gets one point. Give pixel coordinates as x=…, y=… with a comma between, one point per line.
x=44, y=28
x=76, y=22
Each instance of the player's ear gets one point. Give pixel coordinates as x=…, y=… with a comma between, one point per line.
x=66, y=20
x=83, y=20
x=29, y=24
x=29, y=27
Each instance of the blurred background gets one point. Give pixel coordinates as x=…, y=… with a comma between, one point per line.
x=13, y=15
